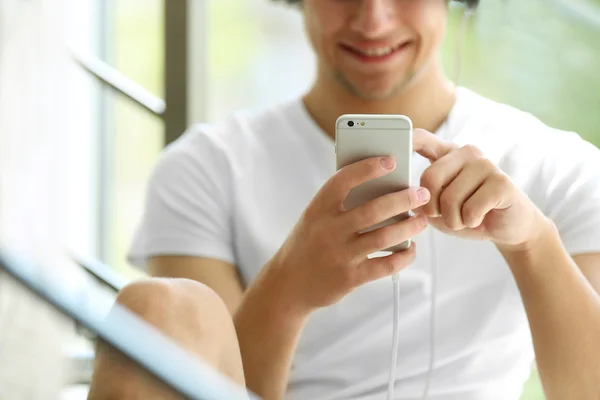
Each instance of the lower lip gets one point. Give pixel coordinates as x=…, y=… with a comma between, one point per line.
x=375, y=59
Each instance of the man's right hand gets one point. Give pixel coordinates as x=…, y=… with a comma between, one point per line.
x=324, y=258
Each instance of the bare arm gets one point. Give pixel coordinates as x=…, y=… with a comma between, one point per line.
x=472, y=198
x=563, y=308
x=268, y=331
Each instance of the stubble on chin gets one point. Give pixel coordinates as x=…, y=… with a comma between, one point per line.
x=374, y=96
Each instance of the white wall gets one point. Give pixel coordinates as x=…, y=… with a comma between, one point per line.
x=46, y=181
x=47, y=169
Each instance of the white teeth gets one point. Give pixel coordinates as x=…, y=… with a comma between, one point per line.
x=383, y=51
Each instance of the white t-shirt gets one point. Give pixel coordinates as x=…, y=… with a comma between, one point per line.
x=233, y=191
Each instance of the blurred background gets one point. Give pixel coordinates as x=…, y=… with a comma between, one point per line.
x=92, y=90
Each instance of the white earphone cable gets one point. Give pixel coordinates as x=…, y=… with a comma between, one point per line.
x=459, y=43
x=433, y=255
x=395, y=333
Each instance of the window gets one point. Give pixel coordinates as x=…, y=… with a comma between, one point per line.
x=134, y=135
x=257, y=55
x=135, y=124
x=208, y=58
x=538, y=56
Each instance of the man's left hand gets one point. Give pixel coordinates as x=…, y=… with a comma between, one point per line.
x=472, y=198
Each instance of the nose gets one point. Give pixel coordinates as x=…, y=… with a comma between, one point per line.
x=374, y=18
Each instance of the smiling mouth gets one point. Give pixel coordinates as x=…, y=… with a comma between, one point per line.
x=375, y=53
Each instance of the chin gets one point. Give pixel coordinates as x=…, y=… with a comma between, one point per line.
x=374, y=95
x=378, y=93
x=370, y=89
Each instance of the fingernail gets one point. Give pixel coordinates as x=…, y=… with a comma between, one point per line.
x=423, y=194
x=387, y=163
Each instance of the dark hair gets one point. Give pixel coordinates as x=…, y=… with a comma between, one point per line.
x=472, y=4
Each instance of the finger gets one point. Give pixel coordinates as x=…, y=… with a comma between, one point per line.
x=381, y=267
x=336, y=189
x=430, y=146
x=490, y=196
x=442, y=172
x=435, y=178
x=385, y=207
x=466, y=183
x=389, y=235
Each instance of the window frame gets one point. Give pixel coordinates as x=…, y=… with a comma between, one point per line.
x=184, y=82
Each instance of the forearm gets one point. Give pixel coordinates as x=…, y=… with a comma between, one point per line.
x=268, y=328
x=564, y=316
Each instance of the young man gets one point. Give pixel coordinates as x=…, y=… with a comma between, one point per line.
x=507, y=213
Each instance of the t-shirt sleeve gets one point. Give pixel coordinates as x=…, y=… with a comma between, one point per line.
x=188, y=205
x=570, y=175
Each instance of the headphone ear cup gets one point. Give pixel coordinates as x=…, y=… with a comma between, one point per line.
x=471, y=4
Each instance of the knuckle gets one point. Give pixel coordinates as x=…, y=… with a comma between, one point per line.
x=395, y=264
x=430, y=207
x=373, y=167
x=469, y=215
x=482, y=162
x=502, y=179
x=430, y=210
x=367, y=167
x=341, y=182
x=450, y=222
x=472, y=150
x=390, y=266
x=380, y=239
x=342, y=186
x=369, y=214
x=410, y=200
x=446, y=201
x=418, y=224
x=448, y=211
x=430, y=179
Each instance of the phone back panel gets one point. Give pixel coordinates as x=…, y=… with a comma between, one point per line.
x=375, y=136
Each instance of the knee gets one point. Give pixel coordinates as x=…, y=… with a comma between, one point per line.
x=176, y=306
x=189, y=312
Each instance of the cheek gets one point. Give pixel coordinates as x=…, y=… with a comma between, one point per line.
x=322, y=21
x=430, y=25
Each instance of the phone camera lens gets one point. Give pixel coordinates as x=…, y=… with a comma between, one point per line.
x=350, y=124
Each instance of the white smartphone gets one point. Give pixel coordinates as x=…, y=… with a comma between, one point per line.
x=360, y=136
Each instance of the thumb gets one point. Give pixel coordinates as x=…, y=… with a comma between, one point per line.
x=430, y=146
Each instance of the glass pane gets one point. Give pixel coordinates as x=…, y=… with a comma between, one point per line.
x=137, y=139
x=135, y=135
x=536, y=55
x=267, y=58
x=138, y=42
